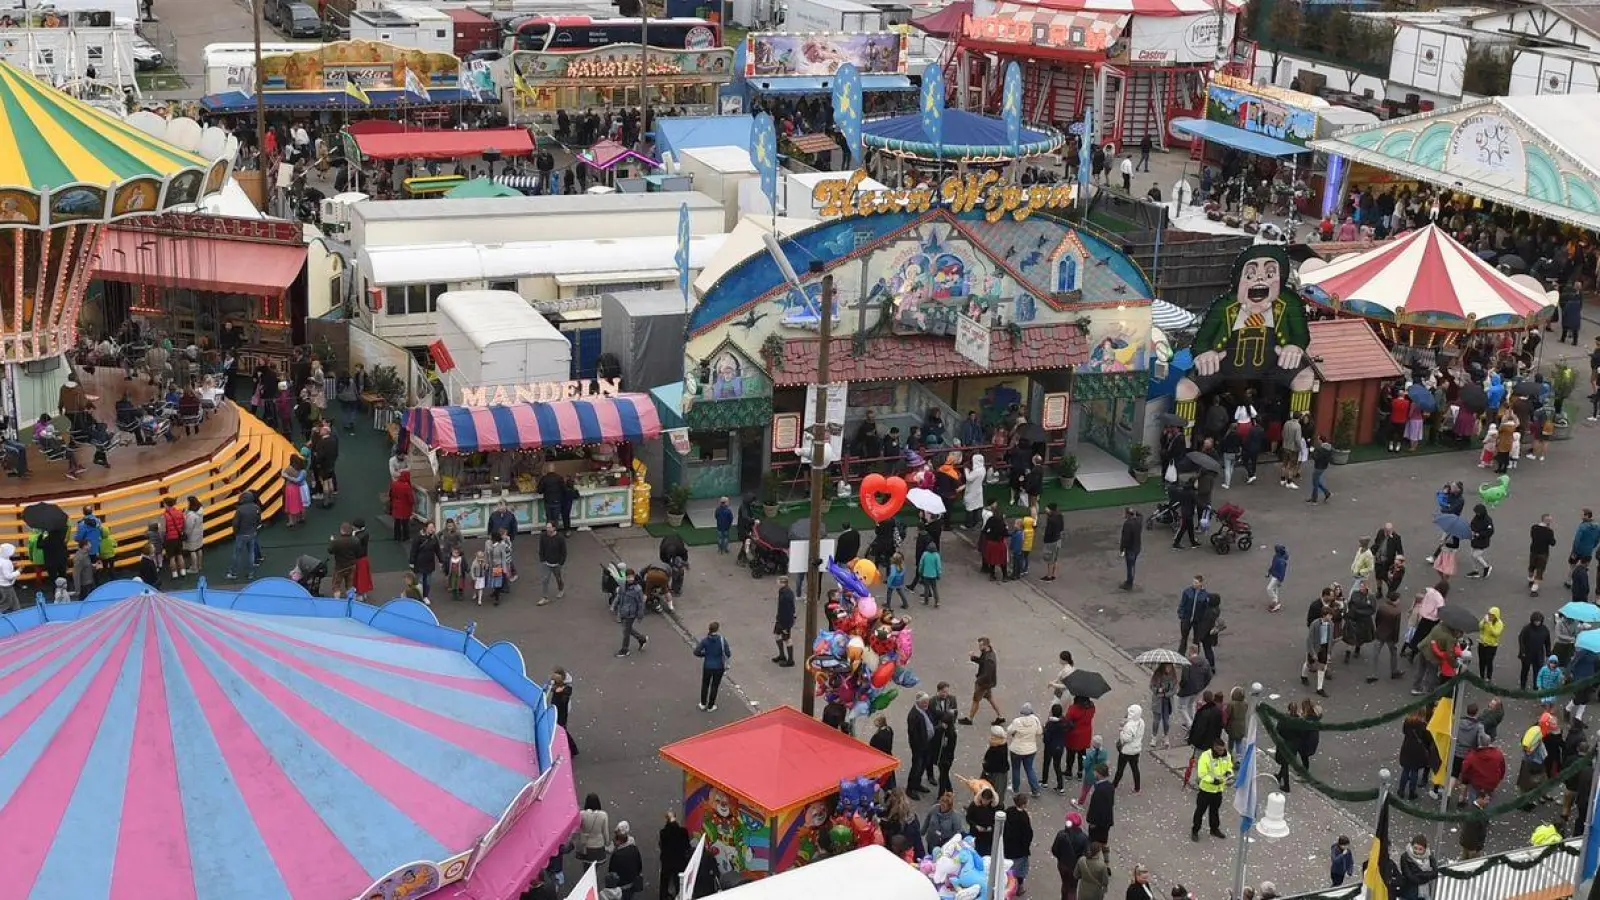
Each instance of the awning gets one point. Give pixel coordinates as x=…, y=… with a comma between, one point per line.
x=1052, y=31
x=945, y=23
x=238, y=101
x=1237, y=138
x=449, y=144
x=813, y=143
x=804, y=84
x=525, y=426
x=199, y=263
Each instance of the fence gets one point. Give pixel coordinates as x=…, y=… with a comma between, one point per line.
x=1532, y=873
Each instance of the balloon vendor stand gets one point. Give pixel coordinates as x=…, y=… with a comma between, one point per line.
x=778, y=790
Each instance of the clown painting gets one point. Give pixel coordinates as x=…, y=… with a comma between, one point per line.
x=727, y=835
x=1258, y=332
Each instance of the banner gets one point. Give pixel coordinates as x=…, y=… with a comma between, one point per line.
x=681, y=258
x=1011, y=108
x=692, y=871
x=822, y=55
x=847, y=109
x=764, y=156
x=933, y=104
x=587, y=887
x=679, y=438
x=1261, y=109
x=837, y=404
x=366, y=64
x=1180, y=40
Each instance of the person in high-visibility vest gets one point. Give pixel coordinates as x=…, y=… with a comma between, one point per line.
x=1212, y=773
x=1546, y=834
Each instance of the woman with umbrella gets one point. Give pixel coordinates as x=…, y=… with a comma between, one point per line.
x=1163, y=688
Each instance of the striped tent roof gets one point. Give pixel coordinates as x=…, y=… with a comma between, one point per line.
x=1429, y=278
x=525, y=426
x=50, y=140
x=157, y=746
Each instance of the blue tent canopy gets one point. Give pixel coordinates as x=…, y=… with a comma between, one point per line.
x=800, y=84
x=679, y=133
x=1237, y=138
x=238, y=101
x=967, y=136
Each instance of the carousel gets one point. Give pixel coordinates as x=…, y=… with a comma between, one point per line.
x=904, y=144
x=68, y=170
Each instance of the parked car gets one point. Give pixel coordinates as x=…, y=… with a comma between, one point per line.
x=300, y=20
x=145, y=54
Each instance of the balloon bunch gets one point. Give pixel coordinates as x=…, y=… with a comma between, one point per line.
x=864, y=652
x=959, y=872
x=855, y=821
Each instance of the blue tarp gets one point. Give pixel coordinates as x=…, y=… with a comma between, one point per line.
x=679, y=133
x=800, y=84
x=238, y=101
x=1237, y=138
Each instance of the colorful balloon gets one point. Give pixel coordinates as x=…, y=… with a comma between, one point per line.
x=867, y=606
x=875, y=486
x=883, y=674
x=866, y=570
x=847, y=579
x=881, y=701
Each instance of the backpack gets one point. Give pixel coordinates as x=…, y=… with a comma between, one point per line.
x=108, y=545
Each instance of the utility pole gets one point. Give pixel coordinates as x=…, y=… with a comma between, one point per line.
x=819, y=443
x=644, y=68
x=261, y=83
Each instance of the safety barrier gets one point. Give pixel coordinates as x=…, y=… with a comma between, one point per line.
x=1531, y=873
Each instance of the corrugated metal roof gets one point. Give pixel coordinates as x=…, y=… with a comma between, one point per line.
x=1348, y=350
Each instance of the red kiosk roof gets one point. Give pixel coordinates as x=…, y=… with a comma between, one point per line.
x=777, y=759
x=445, y=144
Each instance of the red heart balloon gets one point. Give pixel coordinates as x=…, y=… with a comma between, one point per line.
x=881, y=498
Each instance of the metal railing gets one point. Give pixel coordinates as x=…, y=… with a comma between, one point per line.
x=1531, y=872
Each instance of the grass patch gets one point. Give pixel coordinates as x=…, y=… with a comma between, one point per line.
x=1375, y=452
x=163, y=79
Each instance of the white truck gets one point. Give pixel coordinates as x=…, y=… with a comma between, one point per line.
x=498, y=340
x=831, y=15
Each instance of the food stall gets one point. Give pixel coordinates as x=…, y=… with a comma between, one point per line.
x=765, y=790
x=610, y=77
x=467, y=460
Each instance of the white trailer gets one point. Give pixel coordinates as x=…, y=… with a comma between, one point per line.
x=832, y=15
x=717, y=173
x=870, y=873
x=498, y=340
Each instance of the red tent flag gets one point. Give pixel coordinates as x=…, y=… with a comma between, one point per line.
x=442, y=359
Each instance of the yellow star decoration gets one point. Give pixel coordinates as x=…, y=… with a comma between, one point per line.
x=845, y=104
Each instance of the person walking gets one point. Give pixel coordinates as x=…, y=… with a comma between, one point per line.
x=1386, y=548
x=1490, y=628
x=1080, y=733
x=559, y=695
x=985, y=681
x=1533, y=648
x=783, y=624
x=1055, y=747
x=630, y=606
x=1386, y=633
x=1023, y=736
x=715, y=654
x=1207, y=729
x=594, y=830
x=552, y=559
x=724, y=521
x=1126, y=169
x=1130, y=743
x=1425, y=615
x=1213, y=772
x=1191, y=685
x=1321, y=458
x=246, y=526
x=919, y=737
x=1292, y=445
x=1101, y=812
x=1055, y=526
x=1541, y=539
x=930, y=566
x=1585, y=538
x=1188, y=503
x=424, y=559
x=1145, y=146
x=1192, y=605
x=1208, y=629
x=1129, y=544
x=1277, y=571
x=1016, y=841
x=1482, y=534
x=1069, y=846
x=1319, y=640
x=1255, y=441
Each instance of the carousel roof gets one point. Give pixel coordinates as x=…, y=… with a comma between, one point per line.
x=168, y=747
x=1429, y=279
x=967, y=136
x=51, y=141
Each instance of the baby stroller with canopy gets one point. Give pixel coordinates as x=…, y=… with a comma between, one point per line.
x=1231, y=529
x=767, y=550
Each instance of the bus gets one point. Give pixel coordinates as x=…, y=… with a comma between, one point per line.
x=560, y=34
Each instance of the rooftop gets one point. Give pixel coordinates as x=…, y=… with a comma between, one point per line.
x=1348, y=350
x=909, y=357
x=546, y=205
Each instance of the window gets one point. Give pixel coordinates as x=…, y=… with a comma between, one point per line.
x=595, y=290
x=45, y=56
x=412, y=299
x=441, y=34
x=94, y=53
x=504, y=286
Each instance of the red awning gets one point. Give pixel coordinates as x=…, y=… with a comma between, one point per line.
x=199, y=263
x=445, y=144
x=946, y=22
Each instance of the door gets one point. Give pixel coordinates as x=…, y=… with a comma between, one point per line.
x=585, y=352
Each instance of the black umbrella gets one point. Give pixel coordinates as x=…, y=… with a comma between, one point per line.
x=1204, y=460
x=1172, y=420
x=673, y=546
x=44, y=517
x=1527, y=387
x=801, y=529
x=1473, y=398
x=1511, y=264
x=1083, y=683
x=1456, y=618
x=1030, y=433
x=848, y=546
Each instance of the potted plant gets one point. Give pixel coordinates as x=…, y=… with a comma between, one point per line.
x=1139, y=462
x=769, y=494
x=1067, y=470
x=677, y=504
x=1344, y=429
x=1562, y=382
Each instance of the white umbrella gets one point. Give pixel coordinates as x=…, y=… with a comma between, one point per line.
x=926, y=500
x=1161, y=655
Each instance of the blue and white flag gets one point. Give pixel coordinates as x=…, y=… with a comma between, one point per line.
x=932, y=106
x=764, y=156
x=1589, y=863
x=681, y=258
x=414, y=85
x=847, y=110
x=1011, y=108
x=1244, y=784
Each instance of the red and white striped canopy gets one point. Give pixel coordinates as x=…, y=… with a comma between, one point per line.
x=1431, y=277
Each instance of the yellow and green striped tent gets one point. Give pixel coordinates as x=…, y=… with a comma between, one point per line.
x=81, y=164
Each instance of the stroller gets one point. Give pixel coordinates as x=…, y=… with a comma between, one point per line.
x=1168, y=512
x=656, y=580
x=308, y=572
x=1231, y=529
x=767, y=550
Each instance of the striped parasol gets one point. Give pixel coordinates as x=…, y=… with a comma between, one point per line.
x=1170, y=317
x=161, y=747
x=62, y=160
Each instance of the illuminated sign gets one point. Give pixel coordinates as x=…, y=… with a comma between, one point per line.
x=1057, y=34
x=539, y=392
x=621, y=63
x=843, y=198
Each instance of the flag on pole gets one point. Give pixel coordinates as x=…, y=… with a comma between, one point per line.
x=932, y=105
x=1011, y=108
x=1589, y=862
x=1375, y=875
x=587, y=887
x=1244, y=783
x=351, y=89
x=847, y=111
x=413, y=85
x=692, y=870
x=764, y=155
x=1086, y=152
x=681, y=258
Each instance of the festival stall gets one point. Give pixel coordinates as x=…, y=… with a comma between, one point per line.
x=770, y=791
x=609, y=77
x=615, y=162
x=345, y=78
x=1352, y=365
x=794, y=65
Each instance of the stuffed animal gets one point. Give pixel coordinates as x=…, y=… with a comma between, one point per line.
x=1494, y=493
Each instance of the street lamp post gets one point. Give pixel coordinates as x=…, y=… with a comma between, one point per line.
x=819, y=471
x=1456, y=697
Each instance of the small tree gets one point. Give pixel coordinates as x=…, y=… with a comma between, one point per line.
x=1487, y=71
x=1284, y=23
x=1344, y=424
x=1562, y=382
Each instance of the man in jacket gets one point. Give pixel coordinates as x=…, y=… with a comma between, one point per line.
x=1483, y=769
x=919, y=735
x=345, y=550
x=1289, y=453
x=1102, y=806
x=1571, y=314
x=1213, y=773
x=1196, y=676
x=943, y=708
x=630, y=606
x=1321, y=458
x=1192, y=605
x=1386, y=632
x=1016, y=841
x=1206, y=730
x=425, y=558
x=1068, y=847
x=1129, y=544
x=783, y=623
x=552, y=556
x=984, y=682
x=1386, y=545
x=1468, y=732
x=714, y=654
x=1585, y=539
x=246, y=525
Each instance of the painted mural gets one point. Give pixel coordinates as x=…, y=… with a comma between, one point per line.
x=901, y=274
x=732, y=376
x=737, y=836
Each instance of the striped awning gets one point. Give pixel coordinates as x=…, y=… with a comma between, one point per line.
x=525, y=426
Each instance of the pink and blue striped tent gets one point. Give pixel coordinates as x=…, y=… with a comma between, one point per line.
x=525, y=426
x=266, y=743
